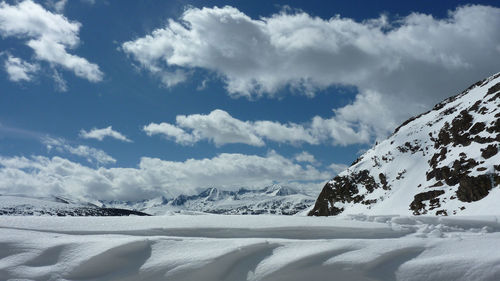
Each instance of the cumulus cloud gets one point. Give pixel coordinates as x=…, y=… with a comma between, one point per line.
x=218, y=127
x=221, y=128
x=153, y=177
x=337, y=168
x=400, y=67
x=100, y=134
x=19, y=70
x=170, y=131
x=305, y=156
x=92, y=155
x=49, y=35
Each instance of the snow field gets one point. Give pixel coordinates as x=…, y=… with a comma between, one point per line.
x=215, y=247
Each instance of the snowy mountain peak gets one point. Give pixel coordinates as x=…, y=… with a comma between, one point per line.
x=278, y=190
x=442, y=162
x=273, y=199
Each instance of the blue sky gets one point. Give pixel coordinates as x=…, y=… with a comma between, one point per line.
x=202, y=94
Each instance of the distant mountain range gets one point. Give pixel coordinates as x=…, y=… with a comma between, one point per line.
x=56, y=206
x=275, y=199
x=442, y=162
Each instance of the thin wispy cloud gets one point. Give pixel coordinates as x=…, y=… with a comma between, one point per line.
x=92, y=155
x=19, y=70
x=58, y=6
x=100, y=134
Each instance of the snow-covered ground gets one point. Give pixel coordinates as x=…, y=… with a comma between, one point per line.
x=217, y=247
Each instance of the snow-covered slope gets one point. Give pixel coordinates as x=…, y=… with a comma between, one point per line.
x=55, y=206
x=252, y=248
x=273, y=199
x=443, y=162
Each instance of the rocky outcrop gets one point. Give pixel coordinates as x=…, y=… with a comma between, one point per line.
x=438, y=162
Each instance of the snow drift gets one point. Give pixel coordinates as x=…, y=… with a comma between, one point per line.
x=271, y=248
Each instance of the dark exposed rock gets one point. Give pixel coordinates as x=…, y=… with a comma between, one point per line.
x=489, y=151
x=401, y=174
x=444, y=137
x=409, y=147
x=459, y=125
x=455, y=133
x=494, y=97
x=342, y=189
x=74, y=212
x=495, y=127
x=383, y=181
x=441, y=213
x=376, y=162
x=357, y=160
x=418, y=206
x=438, y=157
x=452, y=175
x=449, y=111
x=477, y=128
x=493, y=89
x=484, y=140
x=474, y=188
x=475, y=107
x=483, y=110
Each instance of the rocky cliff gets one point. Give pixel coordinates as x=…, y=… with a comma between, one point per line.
x=442, y=162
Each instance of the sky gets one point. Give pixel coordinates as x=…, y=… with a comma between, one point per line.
x=129, y=100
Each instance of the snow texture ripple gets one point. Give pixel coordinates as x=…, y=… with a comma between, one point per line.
x=232, y=248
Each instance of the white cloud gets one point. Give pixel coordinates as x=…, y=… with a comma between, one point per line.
x=89, y=2
x=59, y=81
x=221, y=128
x=337, y=168
x=218, y=127
x=153, y=177
x=100, y=134
x=19, y=70
x=305, y=156
x=400, y=67
x=170, y=131
x=92, y=155
x=49, y=35
x=285, y=133
x=58, y=6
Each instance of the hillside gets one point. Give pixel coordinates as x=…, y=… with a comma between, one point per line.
x=442, y=162
x=15, y=205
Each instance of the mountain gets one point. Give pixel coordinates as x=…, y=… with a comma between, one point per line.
x=442, y=162
x=273, y=199
x=56, y=206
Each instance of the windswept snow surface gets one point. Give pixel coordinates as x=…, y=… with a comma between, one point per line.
x=232, y=248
